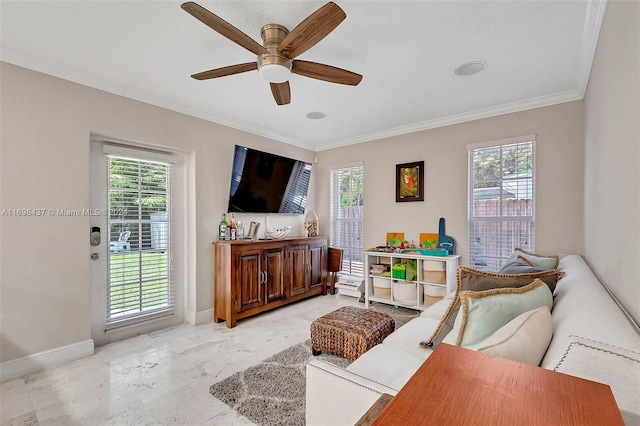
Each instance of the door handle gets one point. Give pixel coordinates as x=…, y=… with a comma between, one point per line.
x=95, y=236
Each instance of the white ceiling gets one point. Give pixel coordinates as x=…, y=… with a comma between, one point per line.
x=538, y=53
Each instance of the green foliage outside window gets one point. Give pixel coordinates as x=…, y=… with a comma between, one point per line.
x=491, y=165
x=352, y=188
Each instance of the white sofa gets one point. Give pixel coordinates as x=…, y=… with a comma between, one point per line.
x=592, y=338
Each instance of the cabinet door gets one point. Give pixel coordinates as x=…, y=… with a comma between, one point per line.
x=274, y=268
x=317, y=258
x=248, y=280
x=298, y=267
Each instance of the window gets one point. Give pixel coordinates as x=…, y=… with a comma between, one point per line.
x=346, y=211
x=501, y=200
x=139, y=282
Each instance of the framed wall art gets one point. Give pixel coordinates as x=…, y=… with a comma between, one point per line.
x=410, y=181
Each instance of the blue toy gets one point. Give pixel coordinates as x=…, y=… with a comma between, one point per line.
x=444, y=241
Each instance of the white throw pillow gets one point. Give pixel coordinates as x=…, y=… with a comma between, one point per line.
x=538, y=260
x=524, y=339
x=483, y=312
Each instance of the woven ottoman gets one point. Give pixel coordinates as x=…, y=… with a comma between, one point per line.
x=350, y=332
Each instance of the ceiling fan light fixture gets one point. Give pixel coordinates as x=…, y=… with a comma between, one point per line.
x=274, y=68
x=275, y=57
x=275, y=73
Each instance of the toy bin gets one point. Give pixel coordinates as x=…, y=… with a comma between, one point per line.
x=399, y=271
x=433, y=293
x=405, y=292
x=382, y=287
x=434, y=271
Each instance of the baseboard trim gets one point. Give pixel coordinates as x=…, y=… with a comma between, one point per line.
x=45, y=359
x=195, y=318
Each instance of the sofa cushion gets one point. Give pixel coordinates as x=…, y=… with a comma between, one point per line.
x=474, y=280
x=437, y=310
x=524, y=339
x=409, y=335
x=387, y=365
x=615, y=366
x=539, y=260
x=583, y=307
x=484, y=312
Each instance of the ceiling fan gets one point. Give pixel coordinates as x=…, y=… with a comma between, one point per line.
x=275, y=61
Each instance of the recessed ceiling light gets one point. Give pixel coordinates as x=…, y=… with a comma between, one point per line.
x=470, y=68
x=316, y=115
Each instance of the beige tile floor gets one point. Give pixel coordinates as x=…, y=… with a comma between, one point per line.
x=159, y=378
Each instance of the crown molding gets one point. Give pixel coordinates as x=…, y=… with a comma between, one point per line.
x=590, y=35
x=20, y=60
x=539, y=102
x=591, y=31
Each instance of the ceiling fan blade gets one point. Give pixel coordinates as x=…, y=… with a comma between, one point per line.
x=281, y=92
x=223, y=27
x=230, y=70
x=310, y=31
x=325, y=72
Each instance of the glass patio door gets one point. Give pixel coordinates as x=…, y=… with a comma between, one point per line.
x=133, y=281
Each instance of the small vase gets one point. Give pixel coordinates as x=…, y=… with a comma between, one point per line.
x=311, y=224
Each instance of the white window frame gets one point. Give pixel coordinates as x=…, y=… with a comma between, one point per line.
x=491, y=258
x=351, y=245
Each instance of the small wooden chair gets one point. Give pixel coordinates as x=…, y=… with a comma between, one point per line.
x=335, y=266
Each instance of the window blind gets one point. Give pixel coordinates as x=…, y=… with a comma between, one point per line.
x=140, y=284
x=346, y=215
x=501, y=201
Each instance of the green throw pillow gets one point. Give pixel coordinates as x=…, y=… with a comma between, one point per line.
x=474, y=280
x=484, y=312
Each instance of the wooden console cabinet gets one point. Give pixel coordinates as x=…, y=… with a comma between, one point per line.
x=255, y=276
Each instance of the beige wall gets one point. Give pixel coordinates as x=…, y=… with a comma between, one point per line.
x=44, y=261
x=612, y=155
x=46, y=124
x=559, y=176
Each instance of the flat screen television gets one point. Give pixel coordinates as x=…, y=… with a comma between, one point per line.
x=267, y=183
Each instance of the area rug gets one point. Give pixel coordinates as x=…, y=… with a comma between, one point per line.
x=273, y=392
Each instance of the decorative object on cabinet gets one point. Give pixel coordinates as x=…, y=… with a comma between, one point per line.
x=410, y=181
x=256, y=276
x=277, y=233
x=425, y=252
x=394, y=239
x=444, y=241
x=253, y=230
x=311, y=224
x=429, y=240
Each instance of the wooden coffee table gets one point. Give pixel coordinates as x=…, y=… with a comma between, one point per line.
x=457, y=386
